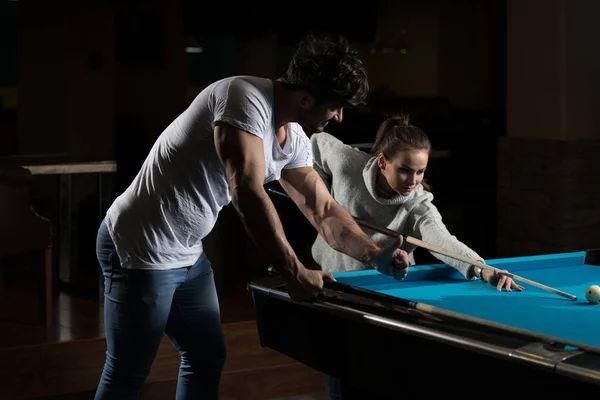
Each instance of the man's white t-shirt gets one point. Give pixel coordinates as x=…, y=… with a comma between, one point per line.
x=159, y=221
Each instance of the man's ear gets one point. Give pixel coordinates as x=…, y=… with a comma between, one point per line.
x=306, y=100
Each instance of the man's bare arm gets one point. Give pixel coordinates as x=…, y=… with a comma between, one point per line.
x=243, y=157
x=332, y=221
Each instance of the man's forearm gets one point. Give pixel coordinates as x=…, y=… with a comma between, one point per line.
x=341, y=232
x=263, y=224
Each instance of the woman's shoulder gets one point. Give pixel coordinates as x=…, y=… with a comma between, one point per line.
x=326, y=139
x=422, y=202
x=326, y=143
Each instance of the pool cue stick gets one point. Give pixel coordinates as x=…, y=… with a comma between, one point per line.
x=450, y=254
x=439, y=250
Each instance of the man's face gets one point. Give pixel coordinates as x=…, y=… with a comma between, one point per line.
x=315, y=118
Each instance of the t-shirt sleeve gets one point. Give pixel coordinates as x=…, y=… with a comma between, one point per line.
x=243, y=106
x=302, y=156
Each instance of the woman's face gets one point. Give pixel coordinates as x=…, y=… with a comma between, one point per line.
x=404, y=171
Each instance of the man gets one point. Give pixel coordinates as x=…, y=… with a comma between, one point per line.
x=238, y=134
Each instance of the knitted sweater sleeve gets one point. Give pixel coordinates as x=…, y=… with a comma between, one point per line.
x=430, y=228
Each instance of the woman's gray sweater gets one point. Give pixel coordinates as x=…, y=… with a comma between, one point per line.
x=350, y=175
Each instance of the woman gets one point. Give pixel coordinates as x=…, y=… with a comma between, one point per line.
x=387, y=187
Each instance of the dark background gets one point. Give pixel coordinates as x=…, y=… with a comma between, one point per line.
x=496, y=84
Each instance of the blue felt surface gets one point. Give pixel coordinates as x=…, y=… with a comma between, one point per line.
x=533, y=309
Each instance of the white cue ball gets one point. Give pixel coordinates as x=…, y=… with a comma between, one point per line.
x=592, y=294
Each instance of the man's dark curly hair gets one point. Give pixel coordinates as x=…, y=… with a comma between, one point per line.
x=329, y=69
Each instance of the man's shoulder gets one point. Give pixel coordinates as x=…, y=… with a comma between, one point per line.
x=239, y=86
x=243, y=101
x=247, y=83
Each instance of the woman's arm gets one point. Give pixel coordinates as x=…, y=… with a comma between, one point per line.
x=431, y=229
x=328, y=152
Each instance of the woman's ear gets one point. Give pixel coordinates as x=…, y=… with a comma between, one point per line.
x=381, y=161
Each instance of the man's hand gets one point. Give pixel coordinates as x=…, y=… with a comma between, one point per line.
x=393, y=261
x=306, y=284
x=494, y=278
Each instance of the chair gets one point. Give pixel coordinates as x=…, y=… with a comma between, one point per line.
x=23, y=231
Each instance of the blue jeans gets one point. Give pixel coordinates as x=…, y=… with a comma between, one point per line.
x=334, y=388
x=338, y=390
x=140, y=306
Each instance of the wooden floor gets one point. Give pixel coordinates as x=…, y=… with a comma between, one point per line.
x=65, y=361
x=312, y=396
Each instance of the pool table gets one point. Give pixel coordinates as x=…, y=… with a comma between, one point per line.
x=436, y=332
